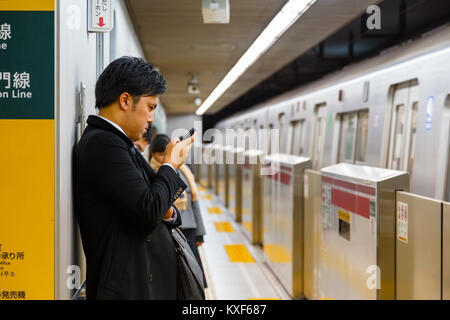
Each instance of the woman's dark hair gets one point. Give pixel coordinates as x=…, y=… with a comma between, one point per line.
x=159, y=143
x=128, y=74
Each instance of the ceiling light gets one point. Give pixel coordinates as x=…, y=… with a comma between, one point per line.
x=292, y=10
x=198, y=101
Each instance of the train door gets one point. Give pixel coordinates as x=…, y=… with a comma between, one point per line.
x=354, y=128
x=319, y=135
x=296, y=148
x=403, y=126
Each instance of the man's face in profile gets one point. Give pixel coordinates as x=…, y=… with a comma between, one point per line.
x=141, y=116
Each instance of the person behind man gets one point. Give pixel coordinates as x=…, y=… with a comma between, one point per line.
x=187, y=204
x=123, y=207
x=143, y=144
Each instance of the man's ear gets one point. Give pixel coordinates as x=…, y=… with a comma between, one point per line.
x=125, y=101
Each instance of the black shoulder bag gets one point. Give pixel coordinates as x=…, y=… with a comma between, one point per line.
x=190, y=275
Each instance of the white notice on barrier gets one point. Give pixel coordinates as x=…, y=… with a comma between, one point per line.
x=402, y=221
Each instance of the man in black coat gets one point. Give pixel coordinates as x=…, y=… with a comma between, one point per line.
x=123, y=207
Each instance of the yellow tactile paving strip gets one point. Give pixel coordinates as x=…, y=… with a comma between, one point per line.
x=248, y=226
x=207, y=197
x=223, y=227
x=215, y=210
x=238, y=253
x=277, y=253
x=201, y=189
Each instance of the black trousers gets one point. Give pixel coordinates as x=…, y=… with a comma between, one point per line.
x=190, y=237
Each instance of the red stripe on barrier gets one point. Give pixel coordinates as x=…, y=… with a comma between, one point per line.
x=327, y=180
x=367, y=190
x=345, y=184
x=285, y=178
x=286, y=168
x=351, y=202
x=349, y=185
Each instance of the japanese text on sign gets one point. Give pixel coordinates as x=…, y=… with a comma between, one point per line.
x=18, y=81
x=402, y=221
x=100, y=18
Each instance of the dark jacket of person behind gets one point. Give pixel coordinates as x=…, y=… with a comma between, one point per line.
x=122, y=205
x=187, y=204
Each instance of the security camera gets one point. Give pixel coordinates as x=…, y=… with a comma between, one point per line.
x=193, y=87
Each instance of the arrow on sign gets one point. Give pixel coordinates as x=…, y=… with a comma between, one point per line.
x=100, y=23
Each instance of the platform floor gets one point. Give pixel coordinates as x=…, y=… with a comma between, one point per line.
x=235, y=269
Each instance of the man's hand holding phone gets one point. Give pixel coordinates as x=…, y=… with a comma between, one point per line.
x=177, y=151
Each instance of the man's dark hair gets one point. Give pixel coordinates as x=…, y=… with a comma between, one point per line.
x=159, y=143
x=128, y=74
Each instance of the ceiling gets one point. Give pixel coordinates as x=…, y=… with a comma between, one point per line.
x=175, y=39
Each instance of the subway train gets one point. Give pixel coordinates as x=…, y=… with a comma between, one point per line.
x=390, y=111
x=327, y=232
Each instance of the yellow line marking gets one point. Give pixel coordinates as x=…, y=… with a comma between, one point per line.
x=201, y=189
x=207, y=197
x=215, y=210
x=223, y=227
x=245, y=211
x=238, y=253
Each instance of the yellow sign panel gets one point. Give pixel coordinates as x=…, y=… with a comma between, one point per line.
x=345, y=216
x=27, y=5
x=27, y=209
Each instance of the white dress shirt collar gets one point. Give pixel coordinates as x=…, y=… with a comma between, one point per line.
x=114, y=124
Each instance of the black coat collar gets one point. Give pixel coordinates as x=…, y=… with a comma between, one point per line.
x=98, y=122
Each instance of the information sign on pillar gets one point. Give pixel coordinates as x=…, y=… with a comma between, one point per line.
x=100, y=16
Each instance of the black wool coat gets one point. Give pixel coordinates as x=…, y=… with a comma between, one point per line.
x=119, y=202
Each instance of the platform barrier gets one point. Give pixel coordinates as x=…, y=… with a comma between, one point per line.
x=235, y=181
x=446, y=251
x=418, y=247
x=220, y=174
x=419, y=253
x=252, y=182
x=283, y=219
x=312, y=193
x=358, y=231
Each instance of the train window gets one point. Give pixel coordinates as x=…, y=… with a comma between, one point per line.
x=348, y=137
x=282, y=137
x=353, y=137
x=297, y=137
x=269, y=139
x=319, y=135
x=289, y=138
x=399, y=130
x=447, y=136
x=412, y=140
x=361, y=135
x=404, y=123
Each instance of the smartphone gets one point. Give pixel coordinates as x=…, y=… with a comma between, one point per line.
x=188, y=135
